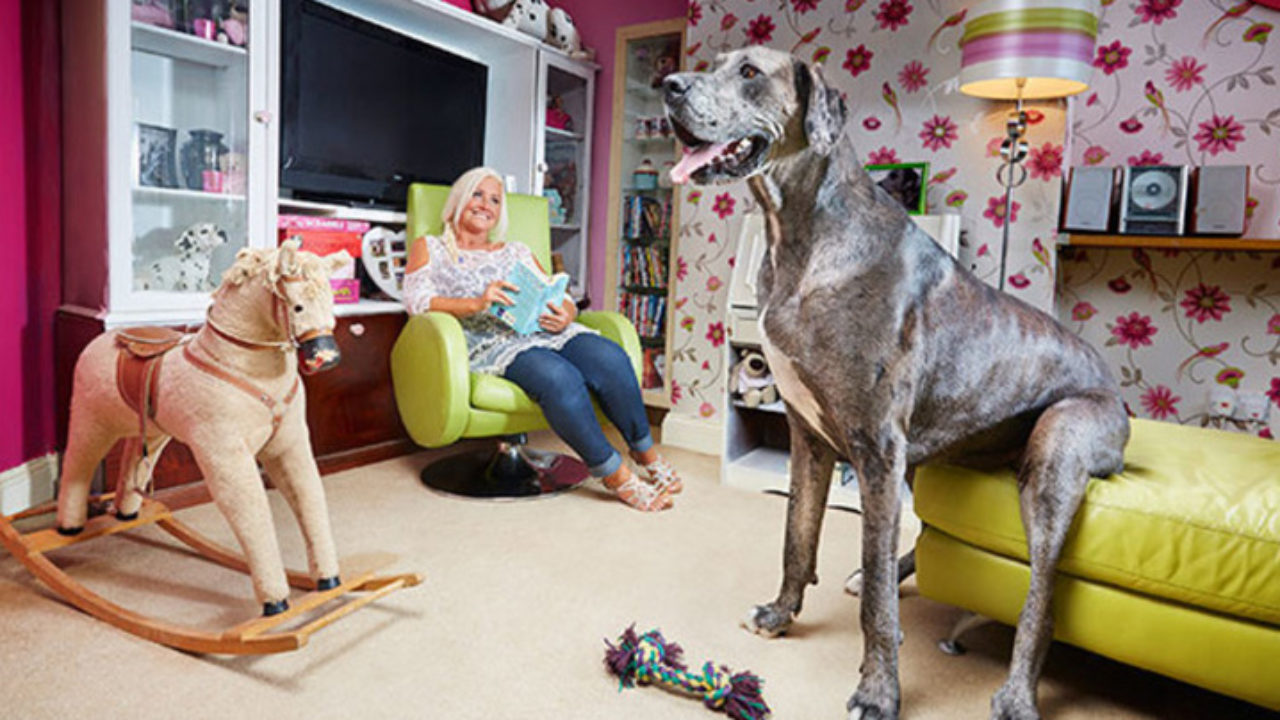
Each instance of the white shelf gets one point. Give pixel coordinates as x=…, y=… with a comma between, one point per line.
x=766, y=469
x=373, y=215
x=777, y=406
x=184, y=46
x=572, y=227
x=367, y=307
x=144, y=191
x=563, y=135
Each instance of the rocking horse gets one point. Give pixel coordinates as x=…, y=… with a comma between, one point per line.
x=231, y=392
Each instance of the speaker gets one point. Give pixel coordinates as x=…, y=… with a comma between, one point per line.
x=1089, y=200
x=1153, y=199
x=1221, y=192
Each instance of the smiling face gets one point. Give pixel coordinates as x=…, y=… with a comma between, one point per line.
x=480, y=212
x=755, y=106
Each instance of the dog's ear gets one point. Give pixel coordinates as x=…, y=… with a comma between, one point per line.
x=824, y=110
x=185, y=242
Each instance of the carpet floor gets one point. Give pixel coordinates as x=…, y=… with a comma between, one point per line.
x=511, y=621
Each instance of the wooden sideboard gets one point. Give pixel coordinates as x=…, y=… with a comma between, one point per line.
x=351, y=409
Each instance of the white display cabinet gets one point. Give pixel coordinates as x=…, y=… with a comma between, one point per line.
x=172, y=133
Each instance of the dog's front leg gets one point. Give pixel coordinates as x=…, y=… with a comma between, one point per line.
x=880, y=474
x=812, y=462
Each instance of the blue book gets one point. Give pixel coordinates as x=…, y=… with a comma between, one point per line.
x=536, y=289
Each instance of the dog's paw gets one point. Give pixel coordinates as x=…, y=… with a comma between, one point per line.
x=767, y=620
x=1011, y=704
x=863, y=707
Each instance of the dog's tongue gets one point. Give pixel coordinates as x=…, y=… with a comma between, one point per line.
x=694, y=159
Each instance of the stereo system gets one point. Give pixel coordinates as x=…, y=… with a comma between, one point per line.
x=1156, y=200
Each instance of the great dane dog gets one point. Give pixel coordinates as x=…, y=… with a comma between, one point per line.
x=890, y=354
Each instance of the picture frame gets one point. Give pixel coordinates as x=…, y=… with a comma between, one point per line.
x=908, y=182
x=155, y=149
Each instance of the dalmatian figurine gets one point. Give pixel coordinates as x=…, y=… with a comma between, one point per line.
x=563, y=33
x=188, y=270
x=529, y=17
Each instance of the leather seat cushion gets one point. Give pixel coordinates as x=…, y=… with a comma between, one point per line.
x=1194, y=517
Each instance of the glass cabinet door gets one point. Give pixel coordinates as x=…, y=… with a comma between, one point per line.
x=645, y=151
x=567, y=93
x=189, y=176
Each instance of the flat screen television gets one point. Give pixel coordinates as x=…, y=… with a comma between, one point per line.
x=366, y=111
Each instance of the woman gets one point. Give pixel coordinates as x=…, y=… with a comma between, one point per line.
x=463, y=273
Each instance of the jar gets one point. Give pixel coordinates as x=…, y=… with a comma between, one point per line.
x=645, y=175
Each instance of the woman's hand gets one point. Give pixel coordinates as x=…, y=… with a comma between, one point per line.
x=557, y=317
x=494, y=294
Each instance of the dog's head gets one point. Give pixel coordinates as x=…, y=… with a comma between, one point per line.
x=200, y=237
x=754, y=107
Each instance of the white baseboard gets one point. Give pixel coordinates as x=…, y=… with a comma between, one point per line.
x=28, y=484
x=693, y=433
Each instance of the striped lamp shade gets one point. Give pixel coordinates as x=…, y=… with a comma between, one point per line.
x=1045, y=44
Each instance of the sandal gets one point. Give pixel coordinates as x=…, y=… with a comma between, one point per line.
x=663, y=477
x=639, y=494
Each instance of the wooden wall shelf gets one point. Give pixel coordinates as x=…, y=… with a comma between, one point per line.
x=1172, y=242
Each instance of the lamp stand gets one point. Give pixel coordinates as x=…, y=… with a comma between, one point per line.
x=1012, y=172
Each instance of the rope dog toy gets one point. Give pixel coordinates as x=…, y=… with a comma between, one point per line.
x=648, y=658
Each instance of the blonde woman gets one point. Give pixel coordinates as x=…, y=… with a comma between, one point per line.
x=463, y=273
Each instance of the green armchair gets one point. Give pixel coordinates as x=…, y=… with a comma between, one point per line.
x=441, y=401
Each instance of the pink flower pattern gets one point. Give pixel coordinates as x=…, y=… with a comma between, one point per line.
x=1147, y=158
x=760, y=30
x=1157, y=11
x=1045, y=162
x=1160, y=402
x=913, y=76
x=724, y=205
x=1134, y=331
x=1205, y=302
x=1184, y=74
x=858, y=60
x=1112, y=57
x=893, y=14
x=938, y=132
x=883, y=156
x=995, y=211
x=1220, y=134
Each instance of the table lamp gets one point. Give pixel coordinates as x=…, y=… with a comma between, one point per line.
x=1025, y=50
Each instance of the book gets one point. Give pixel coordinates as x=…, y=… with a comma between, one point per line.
x=535, y=290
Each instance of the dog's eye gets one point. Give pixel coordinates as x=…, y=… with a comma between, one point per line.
x=297, y=308
x=749, y=71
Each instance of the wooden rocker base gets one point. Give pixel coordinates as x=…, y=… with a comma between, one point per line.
x=257, y=636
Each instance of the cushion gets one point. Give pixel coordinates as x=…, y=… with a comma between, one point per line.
x=490, y=392
x=1194, y=517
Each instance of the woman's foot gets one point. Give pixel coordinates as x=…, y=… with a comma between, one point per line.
x=660, y=473
x=633, y=491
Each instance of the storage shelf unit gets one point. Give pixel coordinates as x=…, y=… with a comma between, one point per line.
x=643, y=220
x=1172, y=242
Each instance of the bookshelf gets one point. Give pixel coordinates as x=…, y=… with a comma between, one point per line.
x=643, y=219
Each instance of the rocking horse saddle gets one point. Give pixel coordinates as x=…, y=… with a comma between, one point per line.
x=138, y=367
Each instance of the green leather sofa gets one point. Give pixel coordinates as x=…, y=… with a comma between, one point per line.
x=1173, y=565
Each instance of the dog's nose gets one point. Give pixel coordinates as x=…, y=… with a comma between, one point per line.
x=674, y=86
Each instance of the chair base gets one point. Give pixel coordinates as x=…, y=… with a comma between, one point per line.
x=511, y=472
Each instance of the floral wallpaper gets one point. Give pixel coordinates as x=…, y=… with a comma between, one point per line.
x=1184, y=82
x=896, y=62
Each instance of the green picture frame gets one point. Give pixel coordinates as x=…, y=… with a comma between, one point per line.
x=908, y=182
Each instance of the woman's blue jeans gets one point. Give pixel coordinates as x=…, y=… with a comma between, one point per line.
x=562, y=383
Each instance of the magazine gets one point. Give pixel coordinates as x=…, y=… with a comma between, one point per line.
x=535, y=290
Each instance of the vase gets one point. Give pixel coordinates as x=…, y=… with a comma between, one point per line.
x=200, y=153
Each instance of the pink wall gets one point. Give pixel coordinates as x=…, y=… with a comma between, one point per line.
x=29, y=204
x=13, y=280
x=598, y=23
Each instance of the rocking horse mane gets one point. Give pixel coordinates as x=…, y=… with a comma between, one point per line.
x=251, y=263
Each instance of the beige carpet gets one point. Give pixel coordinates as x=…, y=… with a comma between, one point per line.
x=511, y=621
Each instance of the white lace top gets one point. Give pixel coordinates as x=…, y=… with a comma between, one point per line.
x=491, y=344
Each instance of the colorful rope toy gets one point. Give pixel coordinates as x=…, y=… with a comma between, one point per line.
x=648, y=658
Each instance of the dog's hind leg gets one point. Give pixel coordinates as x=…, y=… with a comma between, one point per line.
x=812, y=462
x=906, y=568
x=1073, y=439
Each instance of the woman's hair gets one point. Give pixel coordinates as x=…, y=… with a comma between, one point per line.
x=459, y=194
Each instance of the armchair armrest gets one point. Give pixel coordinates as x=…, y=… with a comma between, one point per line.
x=432, y=378
x=617, y=328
